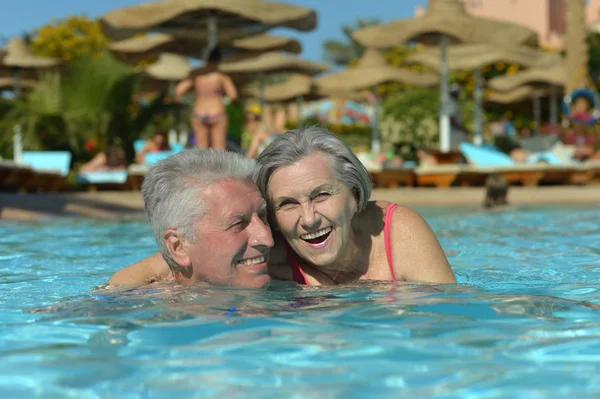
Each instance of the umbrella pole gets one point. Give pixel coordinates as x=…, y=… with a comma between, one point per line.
x=375, y=142
x=261, y=94
x=478, y=122
x=213, y=38
x=17, y=133
x=553, y=106
x=444, y=117
x=300, y=102
x=173, y=130
x=537, y=113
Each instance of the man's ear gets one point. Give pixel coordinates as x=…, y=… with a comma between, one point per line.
x=176, y=247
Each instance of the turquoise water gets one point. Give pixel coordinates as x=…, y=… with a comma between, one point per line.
x=524, y=322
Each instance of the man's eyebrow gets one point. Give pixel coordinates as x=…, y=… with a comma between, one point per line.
x=245, y=215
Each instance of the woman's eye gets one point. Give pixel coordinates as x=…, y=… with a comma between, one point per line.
x=323, y=195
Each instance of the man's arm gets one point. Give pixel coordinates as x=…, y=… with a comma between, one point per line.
x=146, y=271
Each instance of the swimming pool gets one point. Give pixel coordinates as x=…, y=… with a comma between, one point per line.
x=521, y=323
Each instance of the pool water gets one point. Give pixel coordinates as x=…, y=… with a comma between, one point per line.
x=523, y=322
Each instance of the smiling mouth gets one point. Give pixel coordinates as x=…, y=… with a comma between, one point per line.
x=252, y=261
x=317, y=237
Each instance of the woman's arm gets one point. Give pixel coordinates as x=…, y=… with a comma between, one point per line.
x=146, y=271
x=229, y=87
x=183, y=87
x=416, y=252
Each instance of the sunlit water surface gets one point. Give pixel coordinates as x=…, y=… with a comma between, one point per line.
x=524, y=321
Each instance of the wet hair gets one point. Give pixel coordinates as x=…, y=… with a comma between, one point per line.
x=172, y=190
x=115, y=156
x=294, y=145
x=496, y=190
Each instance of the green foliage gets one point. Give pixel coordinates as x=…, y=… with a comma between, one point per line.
x=94, y=101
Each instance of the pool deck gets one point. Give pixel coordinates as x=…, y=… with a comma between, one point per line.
x=119, y=204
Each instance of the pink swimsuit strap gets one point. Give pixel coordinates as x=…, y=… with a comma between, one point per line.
x=387, y=237
x=299, y=275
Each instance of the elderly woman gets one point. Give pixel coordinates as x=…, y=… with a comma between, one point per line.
x=326, y=230
x=318, y=194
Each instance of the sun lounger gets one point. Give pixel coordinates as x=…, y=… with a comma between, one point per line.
x=542, y=167
x=14, y=176
x=50, y=169
x=136, y=173
x=392, y=178
x=440, y=176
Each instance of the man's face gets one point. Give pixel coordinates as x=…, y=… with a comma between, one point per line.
x=233, y=237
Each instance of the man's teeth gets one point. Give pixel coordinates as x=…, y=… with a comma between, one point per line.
x=316, y=234
x=252, y=261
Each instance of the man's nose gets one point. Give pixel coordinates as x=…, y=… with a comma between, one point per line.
x=260, y=235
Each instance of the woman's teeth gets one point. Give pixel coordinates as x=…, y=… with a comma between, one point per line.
x=317, y=234
x=252, y=261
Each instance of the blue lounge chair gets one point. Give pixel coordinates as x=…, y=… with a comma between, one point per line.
x=109, y=177
x=50, y=169
x=48, y=161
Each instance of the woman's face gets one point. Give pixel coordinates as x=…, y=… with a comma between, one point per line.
x=312, y=209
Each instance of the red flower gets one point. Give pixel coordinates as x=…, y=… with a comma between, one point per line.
x=90, y=144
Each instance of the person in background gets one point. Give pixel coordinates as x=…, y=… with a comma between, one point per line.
x=157, y=143
x=265, y=135
x=210, y=121
x=111, y=160
x=496, y=191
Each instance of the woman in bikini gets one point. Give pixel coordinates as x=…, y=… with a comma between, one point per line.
x=210, y=120
x=326, y=230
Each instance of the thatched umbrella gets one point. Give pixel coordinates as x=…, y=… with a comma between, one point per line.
x=17, y=57
x=300, y=88
x=8, y=83
x=525, y=93
x=445, y=21
x=372, y=70
x=138, y=48
x=477, y=56
x=272, y=62
x=206, y=21
x=552, y=78
x=517, y=95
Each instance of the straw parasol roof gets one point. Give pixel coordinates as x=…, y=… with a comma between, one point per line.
x=170, y=67
x=138, y=48
x=473, y=56
x=188, y=18
x=299, y=85
x=8, y=83
x=554, y=75
x=449, y=18
x=18, y=55
x=274, y=62
x=370, y=71
x=517, y=95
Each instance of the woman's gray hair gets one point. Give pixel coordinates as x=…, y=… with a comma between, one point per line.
x=172, y=188
x=297, y=144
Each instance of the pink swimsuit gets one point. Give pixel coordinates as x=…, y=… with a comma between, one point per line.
x=300, y=276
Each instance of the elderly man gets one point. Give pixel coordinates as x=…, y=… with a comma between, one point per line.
x=209, y=220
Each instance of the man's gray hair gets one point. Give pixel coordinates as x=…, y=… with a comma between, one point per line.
x=172, y=188
x=297, y=144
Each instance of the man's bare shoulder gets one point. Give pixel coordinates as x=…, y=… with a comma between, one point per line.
x=146, y=271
